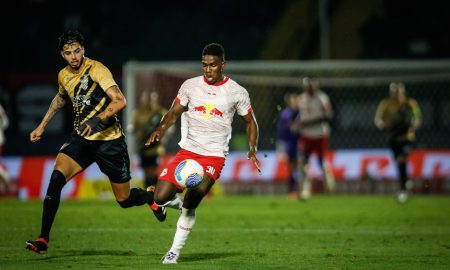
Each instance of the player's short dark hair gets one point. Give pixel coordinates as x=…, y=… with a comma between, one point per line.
x=70, y=36
x=214, y=49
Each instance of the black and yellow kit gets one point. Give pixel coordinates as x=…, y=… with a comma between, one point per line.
x=398, y=117
x=86, y=89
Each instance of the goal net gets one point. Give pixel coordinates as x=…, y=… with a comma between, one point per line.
x=355, y=89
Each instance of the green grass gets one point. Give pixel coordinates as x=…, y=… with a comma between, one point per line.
x=237, y=232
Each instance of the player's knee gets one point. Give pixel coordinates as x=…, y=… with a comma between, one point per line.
x=58, y=176
x=202, y=191
x=164, y=192
x=161, y=197
x=57, y=180
x=194, y=196
x=160, y=200
x=205, y=186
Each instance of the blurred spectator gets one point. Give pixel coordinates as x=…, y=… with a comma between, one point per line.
x=4, y=122
x=316, y=113
x=287, y=139
x=145, y=119
x=399, y=116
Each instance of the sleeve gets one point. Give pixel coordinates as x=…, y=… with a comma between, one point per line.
x=243, y=105
x=102, y=75
x=183, y=94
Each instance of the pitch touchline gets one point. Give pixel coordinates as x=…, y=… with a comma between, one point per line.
x=251, y=230
x=266, y=230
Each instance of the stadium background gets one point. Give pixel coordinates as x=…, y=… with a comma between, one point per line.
x=369, y=44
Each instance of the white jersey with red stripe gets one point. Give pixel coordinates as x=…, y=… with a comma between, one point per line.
x=313, y=107
x=206, y=125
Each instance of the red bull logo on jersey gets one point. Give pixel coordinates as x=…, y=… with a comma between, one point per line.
x=208, y=111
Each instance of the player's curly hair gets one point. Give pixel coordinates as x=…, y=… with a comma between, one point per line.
x=70, y=36
x=214, y=49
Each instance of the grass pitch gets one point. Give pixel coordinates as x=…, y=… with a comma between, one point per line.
x=237, y=232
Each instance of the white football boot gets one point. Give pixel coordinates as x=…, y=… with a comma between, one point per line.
x=170, y=258
x=402, y=196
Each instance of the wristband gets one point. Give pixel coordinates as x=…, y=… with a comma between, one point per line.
x=93, y=123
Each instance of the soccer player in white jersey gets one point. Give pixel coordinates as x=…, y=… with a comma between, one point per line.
x=206, y=105
x=315, y=114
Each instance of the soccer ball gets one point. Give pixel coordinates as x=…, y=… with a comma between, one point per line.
x=189, y=173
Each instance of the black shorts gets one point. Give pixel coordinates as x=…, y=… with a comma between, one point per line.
x=401, y=147
x=111, y=156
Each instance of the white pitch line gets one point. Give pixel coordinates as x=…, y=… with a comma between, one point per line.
x=359, y=231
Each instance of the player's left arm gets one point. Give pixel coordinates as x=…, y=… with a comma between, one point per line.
x=417, y=115
x=118, y=102
x=379, y=115
x=252, y=135
x=4, y=121
x=327, y=107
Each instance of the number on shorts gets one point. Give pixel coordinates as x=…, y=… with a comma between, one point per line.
x=210, y=170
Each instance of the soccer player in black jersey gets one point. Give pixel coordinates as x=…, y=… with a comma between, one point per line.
x=97, y=136
x=399, y=116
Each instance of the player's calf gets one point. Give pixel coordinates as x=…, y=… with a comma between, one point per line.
x=158, y=211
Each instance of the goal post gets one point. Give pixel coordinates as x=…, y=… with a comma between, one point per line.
x=355, y=88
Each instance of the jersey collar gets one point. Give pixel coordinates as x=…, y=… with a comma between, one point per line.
x=224, y=81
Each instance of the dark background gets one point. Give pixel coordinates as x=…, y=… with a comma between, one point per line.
x=119, y=31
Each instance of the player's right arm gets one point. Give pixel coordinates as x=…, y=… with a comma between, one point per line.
x=379, y=115
x=166, y=122
x=57, y=103
x=4, y=121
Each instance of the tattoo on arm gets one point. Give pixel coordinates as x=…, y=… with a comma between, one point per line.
x=116, y=100
x=116, y=104
x=58, y=102
x=115, y=89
